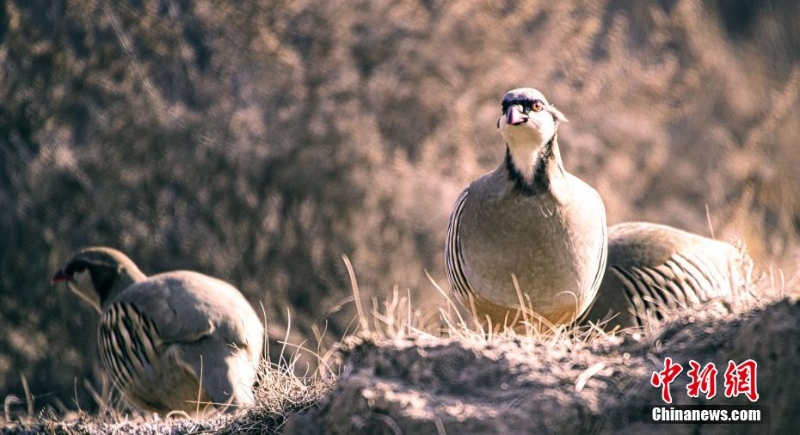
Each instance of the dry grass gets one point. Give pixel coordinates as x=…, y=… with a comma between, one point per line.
x=399, y=321
x=286, y=388
x=279, y=393
x=581, y=357
x=259, y=141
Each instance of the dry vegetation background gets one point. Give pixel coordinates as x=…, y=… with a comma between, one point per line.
x=259, y=142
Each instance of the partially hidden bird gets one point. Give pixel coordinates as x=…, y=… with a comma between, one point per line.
x=528, y=239
x=175, y=341
x=654, y=268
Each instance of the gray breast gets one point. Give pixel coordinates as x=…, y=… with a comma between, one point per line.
x=554, y=249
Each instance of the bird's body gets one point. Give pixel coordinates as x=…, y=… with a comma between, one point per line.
x=654, y=268
x=175, y=341
x=528, y=220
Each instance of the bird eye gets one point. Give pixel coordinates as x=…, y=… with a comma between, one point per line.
x=537, y=106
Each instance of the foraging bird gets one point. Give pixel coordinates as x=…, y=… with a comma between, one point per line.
x=175, y=341
x=653, y=268
x=529, y=225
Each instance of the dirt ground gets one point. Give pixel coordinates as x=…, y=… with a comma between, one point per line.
x=520, y=384
x=517, y=386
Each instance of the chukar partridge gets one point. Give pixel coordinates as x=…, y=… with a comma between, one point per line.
x=653, y=268
x=528, y=222
x=175, y=341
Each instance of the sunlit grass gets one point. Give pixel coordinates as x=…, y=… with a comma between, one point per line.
x=286, y=387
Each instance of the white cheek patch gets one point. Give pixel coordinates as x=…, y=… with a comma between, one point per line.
x=83, y=280
x=547, y=128
x=81, y=284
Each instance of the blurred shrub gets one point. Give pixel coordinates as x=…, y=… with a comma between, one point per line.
x=259, y=142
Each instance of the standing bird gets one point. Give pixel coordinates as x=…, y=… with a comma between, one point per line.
x=655, y=268
x=175, y=341
x=527, y=225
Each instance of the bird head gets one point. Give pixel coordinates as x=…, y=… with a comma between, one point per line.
x=96, y=274
x=528, y=120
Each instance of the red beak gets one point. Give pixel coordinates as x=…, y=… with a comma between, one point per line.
x=60, y=276
x=513, y=117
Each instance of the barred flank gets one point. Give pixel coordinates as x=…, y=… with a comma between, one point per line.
x=128, y=341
